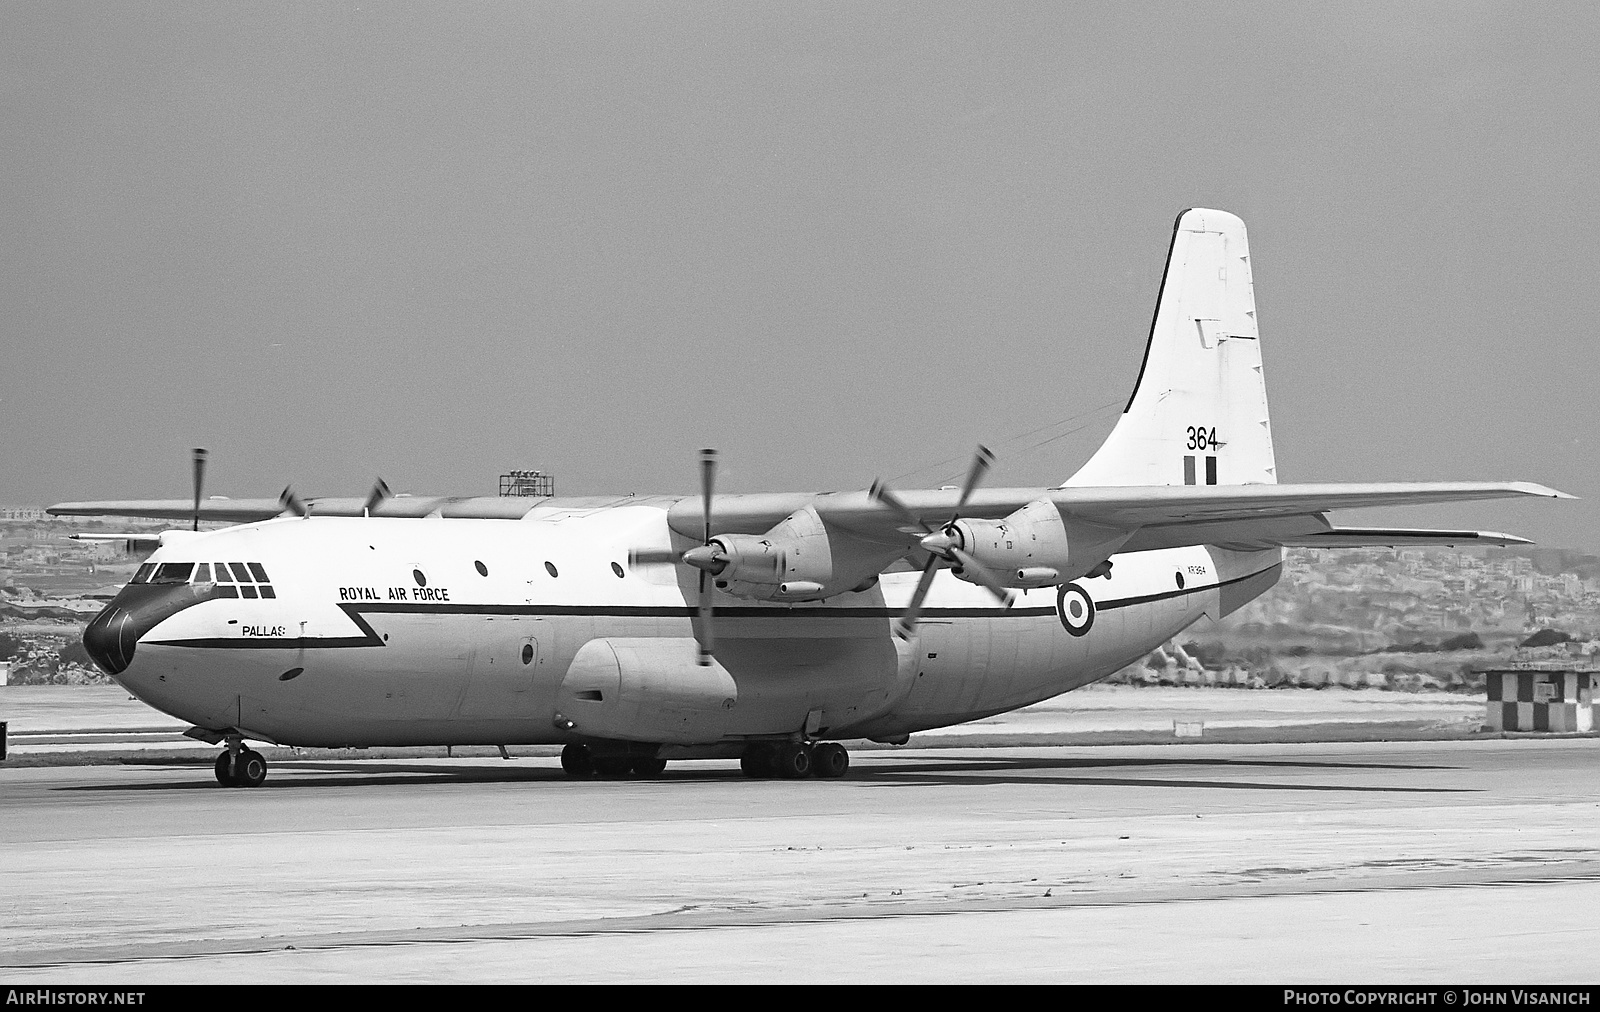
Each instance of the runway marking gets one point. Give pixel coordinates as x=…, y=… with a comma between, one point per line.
x=692, y=918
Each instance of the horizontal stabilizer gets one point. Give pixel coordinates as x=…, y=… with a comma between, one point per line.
x=132, y=542
x=1400, y=537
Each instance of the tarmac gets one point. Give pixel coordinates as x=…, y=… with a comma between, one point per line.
x=1464, y=860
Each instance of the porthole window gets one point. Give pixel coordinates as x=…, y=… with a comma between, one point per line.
x=481, y=568
x=527, y=653
x=291, y=674
x=416, y=574
x=615, y=568
x=1180, y=580
x=550, y=567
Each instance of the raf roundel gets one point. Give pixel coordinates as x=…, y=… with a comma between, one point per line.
x=1076, y=609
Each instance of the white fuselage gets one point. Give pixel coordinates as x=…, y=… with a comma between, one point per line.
x=448, y=631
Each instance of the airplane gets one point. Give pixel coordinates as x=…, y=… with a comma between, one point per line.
x=770, y=627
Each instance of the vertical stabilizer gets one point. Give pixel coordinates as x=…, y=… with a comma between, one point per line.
x=1198, y=414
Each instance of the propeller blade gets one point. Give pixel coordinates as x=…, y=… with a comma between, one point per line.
x=981, y=574
x=645, y=556
x=708, y=484
x=375, y=498
x=292, y=503
x=199, y=482
x=907, y=623
x=708, y=638
x=980, y=466
x=883, y=494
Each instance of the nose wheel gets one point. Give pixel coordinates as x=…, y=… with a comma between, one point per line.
x=241, y=767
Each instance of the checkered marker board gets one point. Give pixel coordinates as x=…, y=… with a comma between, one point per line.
x=1540, y=701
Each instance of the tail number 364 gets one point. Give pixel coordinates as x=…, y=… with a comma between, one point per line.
x=1201, y=438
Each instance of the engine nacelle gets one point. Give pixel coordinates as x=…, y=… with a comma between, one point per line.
x=1035, y=546
x=801, y=559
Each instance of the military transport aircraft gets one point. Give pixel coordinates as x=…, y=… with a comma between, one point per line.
x=769, y=627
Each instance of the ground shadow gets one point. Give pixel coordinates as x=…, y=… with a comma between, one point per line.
x=921, y=771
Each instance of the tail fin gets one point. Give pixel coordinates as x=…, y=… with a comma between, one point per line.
x=1198, y=414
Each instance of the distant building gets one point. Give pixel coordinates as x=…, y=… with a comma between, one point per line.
x=528, y=483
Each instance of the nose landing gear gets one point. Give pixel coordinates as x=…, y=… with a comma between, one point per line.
x=240, y=766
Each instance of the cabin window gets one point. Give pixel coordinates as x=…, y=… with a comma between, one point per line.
x=481, y=568
x=173, y=572
x=416, y=574
x=202, y=572
x=550, y=567
x=527, y=653
x=615, y=568
x=143, y=575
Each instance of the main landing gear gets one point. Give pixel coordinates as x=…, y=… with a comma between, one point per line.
x=240, y=766
x=579, y=761
x=794, y=760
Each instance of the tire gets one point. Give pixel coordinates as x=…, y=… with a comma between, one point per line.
x=649, y=767
x=224, y=775
x=756, y=762
x=830, y=760
x=576, y=761
x=251, y=768
x=612, y=765
x=793, y=762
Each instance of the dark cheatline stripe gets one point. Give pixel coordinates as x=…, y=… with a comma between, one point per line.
x=1151, y=598
x=357, y=613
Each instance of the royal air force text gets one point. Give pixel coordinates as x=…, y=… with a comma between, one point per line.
x=395, y=594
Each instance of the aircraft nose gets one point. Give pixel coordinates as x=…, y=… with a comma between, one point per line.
x=110, y=639
x=114, y=634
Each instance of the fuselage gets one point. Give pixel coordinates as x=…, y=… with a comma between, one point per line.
x=370, y=631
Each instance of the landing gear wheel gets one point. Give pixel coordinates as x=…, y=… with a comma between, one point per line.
x=792, y=762
x=612, y=765
x=830, y=760
x=756, y=762
x=225, y=775
x=251, y=769
x=576, y=761
x=649, y=767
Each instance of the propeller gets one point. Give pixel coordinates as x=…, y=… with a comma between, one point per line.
x=292, y=503
x=375, y=498
x=943, y=545
x=705, y=557
x=199, y=482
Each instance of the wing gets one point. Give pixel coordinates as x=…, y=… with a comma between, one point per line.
x=238, y=511
x=1163, y=516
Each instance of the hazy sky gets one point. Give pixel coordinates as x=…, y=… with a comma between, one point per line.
x=435, y=242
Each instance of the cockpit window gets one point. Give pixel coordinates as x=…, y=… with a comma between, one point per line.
x=222, y=573
x=143, y=575
x=259, y=572
x=240, y=572
x=173, y=572
x=202, y=572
